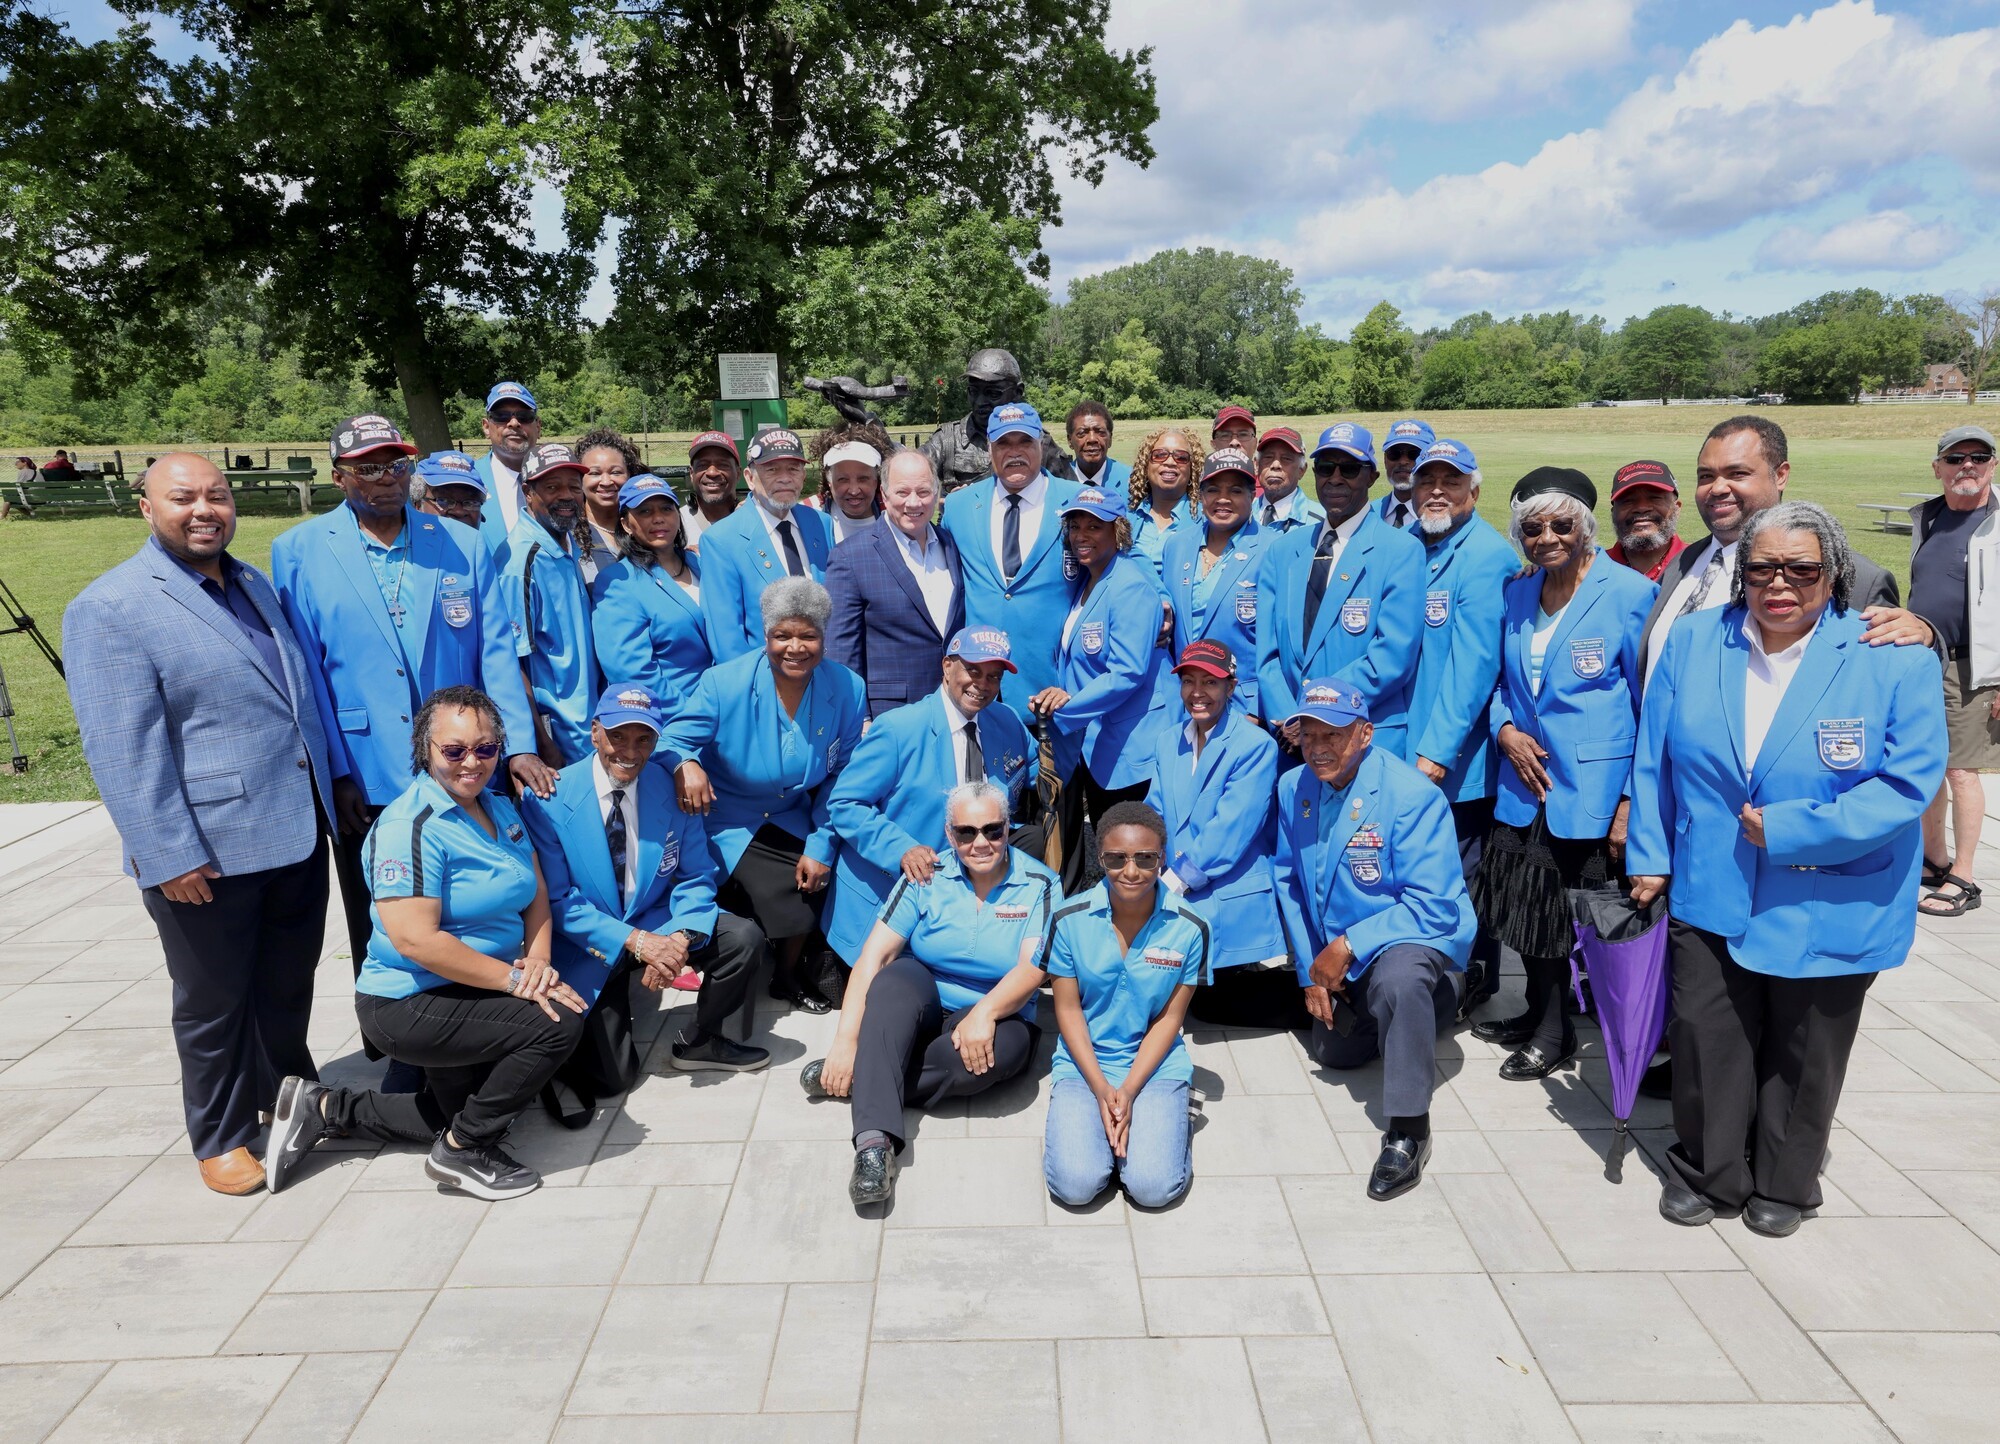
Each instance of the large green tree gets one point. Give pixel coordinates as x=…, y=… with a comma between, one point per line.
x=1834, y=359
x=367, y=162
x=1384, y=360
x=1670, y=351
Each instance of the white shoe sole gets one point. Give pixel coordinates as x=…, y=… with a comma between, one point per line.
x=284, y=1128
x=706, y=1065
x=468, y=1183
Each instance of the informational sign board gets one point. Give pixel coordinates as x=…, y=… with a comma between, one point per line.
x=747, y=375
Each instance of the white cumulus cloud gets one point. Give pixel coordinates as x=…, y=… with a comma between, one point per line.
x=1885, y=241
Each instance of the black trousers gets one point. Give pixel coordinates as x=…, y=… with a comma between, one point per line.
x=1083, y=800
x=1408, y=996
x=486, y=1056
x=1249, y=997
x=1472, y=821
x=352, y=875
x=904, y=1054
x=1758, y=1066
x=242, y=967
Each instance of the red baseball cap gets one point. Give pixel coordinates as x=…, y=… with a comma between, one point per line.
x=1282, y=436
x=1635, y=474
x=1232, y=413
x=714, y=438
x=1207, y=656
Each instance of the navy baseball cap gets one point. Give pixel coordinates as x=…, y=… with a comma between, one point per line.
x=549, y=457
x=359, y=435
x=1015, y=418
x=628, y=702
x=776, y=444
x=451, y=468
x=1346, y=436
x=511, y=391
x=1227, y=460
x=1093, y=502
x=1411, y=432
x=1330, y=701
x=1454, y=454
x=973, y=645
x=643, y=488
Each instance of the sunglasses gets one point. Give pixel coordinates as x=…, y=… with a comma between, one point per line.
x=991, y=831
x=511, y=417
x=376, y=470
x=1557, y=525
x=1762, y=574
x=1117, y=861
x=1348, y=470
x=1185, y=458
x=1966, y=458
x=455, y=751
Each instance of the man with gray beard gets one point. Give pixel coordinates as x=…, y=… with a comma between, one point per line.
x=1645, y=507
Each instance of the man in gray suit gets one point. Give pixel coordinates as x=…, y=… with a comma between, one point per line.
x=198, y=722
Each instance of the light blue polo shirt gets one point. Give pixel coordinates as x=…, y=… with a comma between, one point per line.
x=1124, y=991
x=967, y=944
x=425, y=845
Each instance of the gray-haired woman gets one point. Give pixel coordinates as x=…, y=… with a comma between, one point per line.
x=754, y=748
x=942, y=1001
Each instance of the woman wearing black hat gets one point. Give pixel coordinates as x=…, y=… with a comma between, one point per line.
x=1566, y=716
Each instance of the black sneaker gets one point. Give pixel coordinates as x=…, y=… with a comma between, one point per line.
x=297, y=1127
x=488, y=1173
x=717, y=1054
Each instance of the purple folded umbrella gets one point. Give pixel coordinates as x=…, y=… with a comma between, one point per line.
x=1624, y=949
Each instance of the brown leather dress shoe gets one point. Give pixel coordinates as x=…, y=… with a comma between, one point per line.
x=235, y=1172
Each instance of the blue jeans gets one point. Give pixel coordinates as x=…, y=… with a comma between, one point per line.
x=1076, y=1156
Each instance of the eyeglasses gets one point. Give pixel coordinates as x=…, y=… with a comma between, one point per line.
x=1184, y=458
x=1117, y=861
x=1762, y=574
x=1347, y=469
x=1559, y=525
x=455, y=751
x=1966, y=458
x=509, y=418
x=376, y=470
x=991, y=831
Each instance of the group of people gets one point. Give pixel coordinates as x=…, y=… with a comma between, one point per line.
x=1184, y=739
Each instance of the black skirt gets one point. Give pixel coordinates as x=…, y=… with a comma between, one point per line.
x=1522, y=890
x=764, y=886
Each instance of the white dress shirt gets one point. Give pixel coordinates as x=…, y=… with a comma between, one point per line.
x=630, y=807
x=1034, y=496
x=927, y=565
x=771, y=520
x=844, y=527
x=1718, y=596
x=1343, y=534
x=954, y=723
x=507, y=487
x=1764, y=687
x=1292, y=505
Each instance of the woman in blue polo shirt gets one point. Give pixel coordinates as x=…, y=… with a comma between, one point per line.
x=457, y=979
x=645, y=615
x=1160, y=493
x=953, y=1015
x=1126, y=957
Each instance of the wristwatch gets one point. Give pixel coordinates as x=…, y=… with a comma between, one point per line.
x=695, y=941
x=514, y=976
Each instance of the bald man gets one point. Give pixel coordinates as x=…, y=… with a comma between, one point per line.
x=197, y=717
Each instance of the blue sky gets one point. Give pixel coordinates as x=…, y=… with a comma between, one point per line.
x=1603, y=155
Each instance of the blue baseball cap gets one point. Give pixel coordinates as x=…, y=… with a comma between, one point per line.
x=973, y=645
x=1093, y=502
x=1015, y=418
x=1409, y=433
x=1346, y=436
x=628, y=702
x=511, y=391
x=643, y=487
x=451, y=468
x=1328, y=700
x=1454, y=454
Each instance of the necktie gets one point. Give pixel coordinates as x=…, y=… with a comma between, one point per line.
x=1317, y=577
x=1010, y=537
x=1400, y=518
x=1709, y=573
x=614, y=835
x=1270, y=513
x=975, y=760
x=795, y=562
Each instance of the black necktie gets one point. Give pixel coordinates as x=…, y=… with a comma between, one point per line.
x=794, y=562
x=975, y=760
x=1010, y=537
x=1270, y=512
x=614, y=834
x=1401, y=518
x=1317, y=577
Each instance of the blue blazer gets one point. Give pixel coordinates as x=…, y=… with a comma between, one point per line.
x=676, y=876
x=1458, y=660
x=1852, y=758
x=1367, y=630
x=767, y=767
x=1110, y=666
x=648, y=630
x=1221, y=814
x=1231, y=618
x=890, y=798
x=550, y=605
x=1587, y=716
x=1031, y=611
x=492, y=521
x=739, y=560
x=881, y=627
x=201, y=752
x=456, y=632
x=1379, y=865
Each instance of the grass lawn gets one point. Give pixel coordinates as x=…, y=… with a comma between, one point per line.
x=1840, y=456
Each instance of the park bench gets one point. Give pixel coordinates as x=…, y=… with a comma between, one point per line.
x=86, y=492
x=1889, y=515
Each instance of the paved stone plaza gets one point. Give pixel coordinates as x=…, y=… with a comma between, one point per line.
x=693, y=1271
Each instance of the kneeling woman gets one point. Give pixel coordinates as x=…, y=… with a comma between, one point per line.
x=1126, y=957
x=457, y=979
x=955, y=1014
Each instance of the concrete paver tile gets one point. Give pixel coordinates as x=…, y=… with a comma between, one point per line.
x=719, y=1338
x=1303, y=1388
x=199, y=1401
x=1619, y=1338
x=1728, y=1424
x=1157, y=1391
x=1006, y=1283
x=1213, y=1306
x=1223, y=1226
x=1774, y=1356
x=385, y=1241
x=789, y=1221
x=822, y=1349
x=137, y=1302
x=553, y=1236
x=991, y=1392
x=1877, y=1274
x=359, y=1322
x=322, y=1399
x=1928, y=1388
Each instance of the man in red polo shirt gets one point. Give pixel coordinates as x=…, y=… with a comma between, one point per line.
x=1645, y=503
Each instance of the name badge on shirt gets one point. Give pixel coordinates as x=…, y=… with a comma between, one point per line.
x=1165, y=958
x=1011, y=914
x=1354, y=615
x=1586, y=657
x=1437, y=608
x=456, y=606
x=833, y=755
x=1091, y=634
x=1365, y=863
x=1841, y=742
x=670, y=859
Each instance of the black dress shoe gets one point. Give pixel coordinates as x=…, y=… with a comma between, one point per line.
x=809, y=1079
x=713, y=1053
x=1773, y=1220
x=1658, y=1080
x=1526, y=1064
x=1511, y=1031
x=1682, y=1205
x=874, y=1176
x=805, y=1000
x=1399, y=1167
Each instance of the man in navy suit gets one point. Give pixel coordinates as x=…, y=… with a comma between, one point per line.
x=197, y=715
x=755, y=545
x=898, y=591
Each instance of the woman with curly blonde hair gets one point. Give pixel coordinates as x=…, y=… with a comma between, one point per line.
x=1161, y=496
